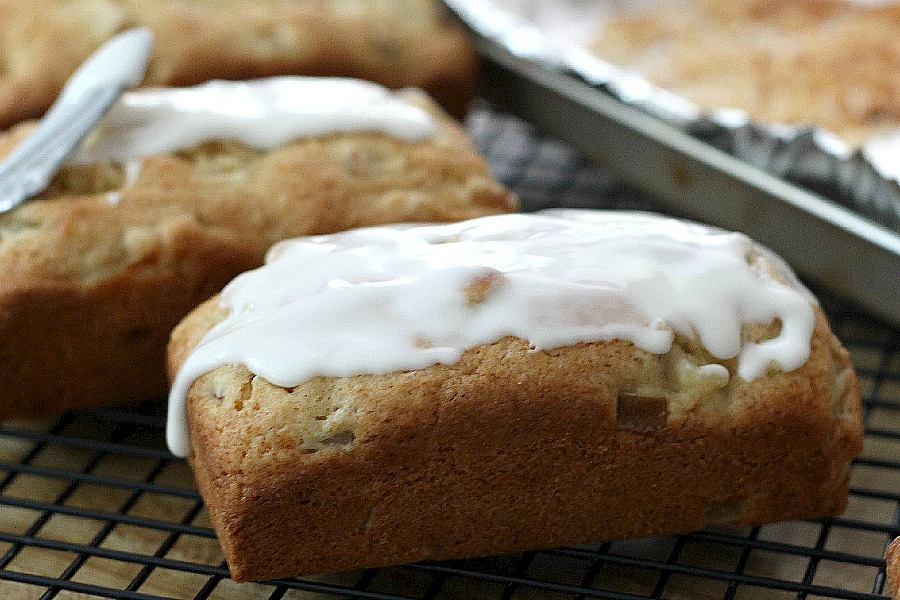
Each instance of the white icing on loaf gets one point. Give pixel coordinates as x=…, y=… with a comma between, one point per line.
x=386, y=299
x=262, y=113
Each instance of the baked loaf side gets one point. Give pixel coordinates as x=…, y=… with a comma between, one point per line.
x=408, y=43
x=509, y=450
x=892, y=557
x=512, y=448
x=96, y=271
x=813, y=62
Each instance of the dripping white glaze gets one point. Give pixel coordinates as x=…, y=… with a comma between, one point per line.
x=262, y=113
x=384, y=299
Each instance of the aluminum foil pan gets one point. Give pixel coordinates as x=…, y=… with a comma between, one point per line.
x=551, y=33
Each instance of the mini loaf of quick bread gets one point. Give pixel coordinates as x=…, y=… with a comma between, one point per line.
x=401, y=43
x=178, y=191
x=892, y=557
x=513, y=382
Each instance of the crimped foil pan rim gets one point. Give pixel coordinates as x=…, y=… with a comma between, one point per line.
x=808, y=156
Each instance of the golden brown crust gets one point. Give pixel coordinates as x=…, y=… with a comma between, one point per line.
x=811, y=62
x=892, y=557
x=510, y=449
x=406, y=43
x=92, y=283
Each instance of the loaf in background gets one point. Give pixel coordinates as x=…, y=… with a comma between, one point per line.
x=96, y=271
x=402, y=43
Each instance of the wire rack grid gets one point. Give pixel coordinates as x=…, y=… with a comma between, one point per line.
x=93, y=506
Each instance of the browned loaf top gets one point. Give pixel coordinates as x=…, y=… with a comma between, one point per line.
x=96, y=271
x=830, y=63
x=403, y=43
x=893, y=569
x=510, y=449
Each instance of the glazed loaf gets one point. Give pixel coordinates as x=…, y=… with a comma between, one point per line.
x=96, y=271
x=515, y=442
x=403, y=43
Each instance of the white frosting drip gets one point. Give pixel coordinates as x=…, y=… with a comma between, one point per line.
x=386, y=299
x=262, y=113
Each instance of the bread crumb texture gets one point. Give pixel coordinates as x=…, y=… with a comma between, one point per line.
x=96, y=271
x=511, y=449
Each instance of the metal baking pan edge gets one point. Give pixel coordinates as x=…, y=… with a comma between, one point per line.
x=825, y=242
x=549, y=33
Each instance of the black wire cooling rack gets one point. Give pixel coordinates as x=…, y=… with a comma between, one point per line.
x=92, y=505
